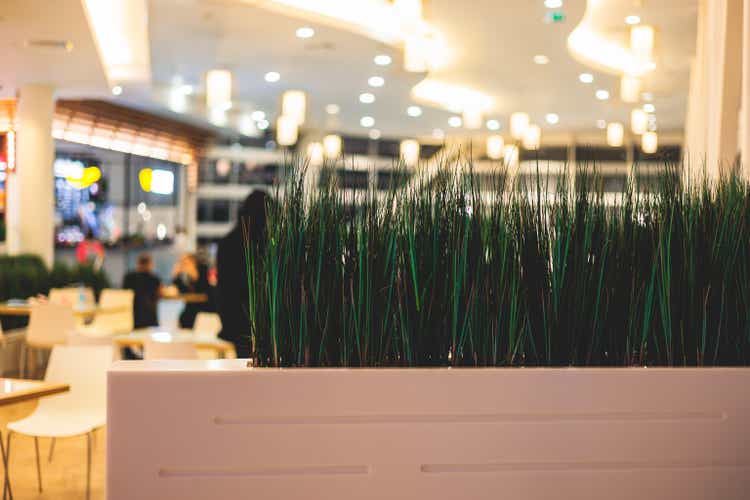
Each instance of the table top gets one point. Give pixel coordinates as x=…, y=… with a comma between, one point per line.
x=188, y=298
x=24, y=309
x=200, y=340
x=16, y=390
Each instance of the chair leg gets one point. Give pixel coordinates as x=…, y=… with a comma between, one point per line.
x=51, y=449
x=6, y=462
x=38, y=466
x=22, y=362
x=88, y=466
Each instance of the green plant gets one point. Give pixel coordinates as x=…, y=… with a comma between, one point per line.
x=448, y=273
x=24, y=276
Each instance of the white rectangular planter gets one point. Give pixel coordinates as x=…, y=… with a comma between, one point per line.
x=218, y=430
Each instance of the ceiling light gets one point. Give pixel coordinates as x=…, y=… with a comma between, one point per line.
x=454, y=98
x=414, y=111
x=541, y=59
x=367, y=121
x=263, y=124
x=305, y=32
x=594, y=49
x=374, y=134
x=409, y=150
x=642, y=42
x=649, y=108
x=366, y=98
x=638, y=121
x=294, y=105
x=218, y=116
x=332, y=146
x=438, y=133
x=258, y=115
x=630, y=88
x=532, y=137
x=495, y=146
x=553, y=4
x=287, y=130
x=586, y=78
x=615, y=134
x=552, y=118
x=248, y=127
x=493, y=125
x=602, y=124
x=376, y=81
x=455, y=121
x=333, y=109
x=116, y=90
x=383, y=59
x=602, y=95
x=650, y=142
x=519, y=122
x=424, y=50
x=272, y=77
x=473, y=118
x=631, y=20
x=315, y=153
x=218, y=88
x=178, y=101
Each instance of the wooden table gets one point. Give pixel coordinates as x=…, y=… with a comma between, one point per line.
x=188, y=298
x=15, y=391
x=25, y=310
x=198, y=339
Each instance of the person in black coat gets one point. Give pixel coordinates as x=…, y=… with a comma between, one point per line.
x=146, y=288
x=233, y=293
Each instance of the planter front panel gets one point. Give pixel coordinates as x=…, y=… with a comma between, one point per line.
x=215, y=429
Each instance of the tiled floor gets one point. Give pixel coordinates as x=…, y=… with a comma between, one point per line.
x=62, y=479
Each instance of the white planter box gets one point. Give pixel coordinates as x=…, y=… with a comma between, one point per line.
x=217, y=430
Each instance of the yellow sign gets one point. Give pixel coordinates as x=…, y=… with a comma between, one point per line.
x=88, y=176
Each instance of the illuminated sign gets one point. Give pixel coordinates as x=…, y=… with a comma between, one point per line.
x=156, y=181
x=76, y=173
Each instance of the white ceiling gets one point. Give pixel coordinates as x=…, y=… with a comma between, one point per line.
x=492, y=44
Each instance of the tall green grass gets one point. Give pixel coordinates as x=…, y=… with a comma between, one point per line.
x=437, y=274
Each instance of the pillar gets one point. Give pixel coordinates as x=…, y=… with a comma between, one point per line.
x=31, y=197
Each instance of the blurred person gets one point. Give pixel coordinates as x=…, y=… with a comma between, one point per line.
x=190, y=275
x=233, y=293
x=146, y=288
x=182, y=243
x=90, y=250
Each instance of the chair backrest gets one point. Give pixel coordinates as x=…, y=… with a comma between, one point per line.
x=153, y=349
x=71, y=296
x=208, y=323
x=90, y=339
x=115, y=322
x=50, y=324
x=84, y=368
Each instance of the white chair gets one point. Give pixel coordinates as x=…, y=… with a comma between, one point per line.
x=153, y=349
x=118, y=319
x=86, y=339
x=208, y=323
x=78, y=412
x=49, y=325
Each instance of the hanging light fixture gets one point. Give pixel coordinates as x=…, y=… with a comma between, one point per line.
x=532, y=138
x=519, y=122
x=409, y=151
x=638, y=121
x=315, y=154
x=495, y=147
x=219, y=89
x=472, y=118
x=294, y=105
x=510, y=155
x=287, y=131
x=642, y=42
x=630, y=88
x=615, y=134
x=650, y=143
x=332, y=146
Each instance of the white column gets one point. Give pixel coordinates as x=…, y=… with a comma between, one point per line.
x=745, y=122
x=31, y=197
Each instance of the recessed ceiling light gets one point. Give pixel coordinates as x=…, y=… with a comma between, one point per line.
x=541, y=59
x=586, y=78
x=552, y=118
x=438, y=133
x=455, y=121
x=272, y=77
x=333, y=109
x=366, y=98
x=305, y=32
x=553, y=4
x=367, y=121
x=493, y=124
x=263, y=124
x=116, y=90
x=414, y=111
x=602, y=124
x=602, y=95
x=649, y=108
x=374, y=134
x=376, y=81
x=258, y=115
x=383, y=59
x=631, y=20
